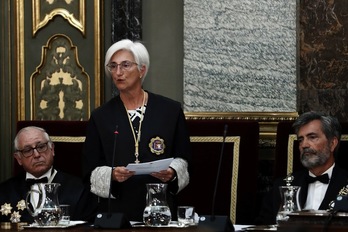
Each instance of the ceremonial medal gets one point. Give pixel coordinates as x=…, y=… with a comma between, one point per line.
x=157, y=145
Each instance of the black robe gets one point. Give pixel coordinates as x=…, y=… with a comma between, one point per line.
x=272, y=200
x=164, y=119
x=71, y=192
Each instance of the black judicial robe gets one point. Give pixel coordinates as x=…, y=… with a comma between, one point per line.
x=164, y=119
x=72, y=191
x=272, y=200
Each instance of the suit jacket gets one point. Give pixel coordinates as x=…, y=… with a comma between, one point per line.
x=272, y=199
x=164, y=119
x=71, y=191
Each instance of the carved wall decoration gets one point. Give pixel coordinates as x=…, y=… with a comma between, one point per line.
x=71, y=10
x=60, y=87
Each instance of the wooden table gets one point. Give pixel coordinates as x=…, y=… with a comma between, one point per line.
x=88, y=228
x=315, y=221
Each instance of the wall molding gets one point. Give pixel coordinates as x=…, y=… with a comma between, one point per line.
x=268, y=121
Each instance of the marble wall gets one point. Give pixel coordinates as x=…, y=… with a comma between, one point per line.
x=240, y=56
x=324, y=57
x=266, y=56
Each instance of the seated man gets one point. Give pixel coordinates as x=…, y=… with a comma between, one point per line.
x=319, y=137
x=34, y=151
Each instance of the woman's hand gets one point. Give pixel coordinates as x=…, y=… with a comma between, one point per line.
x=121, y=174
x=164, y=175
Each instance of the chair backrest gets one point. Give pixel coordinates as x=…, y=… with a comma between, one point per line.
x=287, y=155
x=237, y=184
x=68, y=138
x=285, y=151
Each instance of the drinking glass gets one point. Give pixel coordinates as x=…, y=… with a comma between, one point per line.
x=186, y=216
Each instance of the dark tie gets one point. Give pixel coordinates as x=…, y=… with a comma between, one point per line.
x=30, y=182
x=323, y=179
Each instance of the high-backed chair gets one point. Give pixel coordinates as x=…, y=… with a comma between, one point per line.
x=287, y=155
x=68, y=138
x=237, y=185
x=286, y=152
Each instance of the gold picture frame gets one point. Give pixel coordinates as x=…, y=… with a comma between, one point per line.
x=40, y=19
x=268, y=121
x=235, y=166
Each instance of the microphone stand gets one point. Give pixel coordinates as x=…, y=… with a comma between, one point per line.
x=220, y=223
x=112, y=168
x=218, y=173
x=111, y=220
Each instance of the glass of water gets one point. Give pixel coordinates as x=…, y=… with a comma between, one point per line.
x=65, y=215
x=186, y=216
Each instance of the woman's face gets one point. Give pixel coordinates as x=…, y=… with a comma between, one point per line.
x=125, y=74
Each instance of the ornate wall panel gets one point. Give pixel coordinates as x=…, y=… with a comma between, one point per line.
x=7, y=87
x=58, y=50
x=44, y=11
x=59, y=88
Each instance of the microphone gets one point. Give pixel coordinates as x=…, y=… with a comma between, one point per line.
x=111, y=220
x=219, y=223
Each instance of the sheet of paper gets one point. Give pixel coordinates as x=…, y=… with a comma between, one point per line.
x=149, y=167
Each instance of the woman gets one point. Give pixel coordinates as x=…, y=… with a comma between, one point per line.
x=135, y=126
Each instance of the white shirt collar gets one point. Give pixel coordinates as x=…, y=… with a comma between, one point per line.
x=49, y=174
x=328, y=171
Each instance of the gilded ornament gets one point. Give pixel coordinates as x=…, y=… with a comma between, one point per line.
x=6, y=209
x=21, y=205
x=15, y=217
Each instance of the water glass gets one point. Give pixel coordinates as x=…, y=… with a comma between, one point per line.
x=186, y=216
x=65, y=214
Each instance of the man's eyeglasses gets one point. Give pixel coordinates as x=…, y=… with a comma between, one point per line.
x=29, y=151
x=124, y=65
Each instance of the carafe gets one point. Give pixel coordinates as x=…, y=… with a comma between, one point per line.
x=289, y=202
x=42, y=203
x=156, y=212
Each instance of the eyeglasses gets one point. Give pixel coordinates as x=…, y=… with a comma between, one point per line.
x=29, y=151
x=124, y=65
